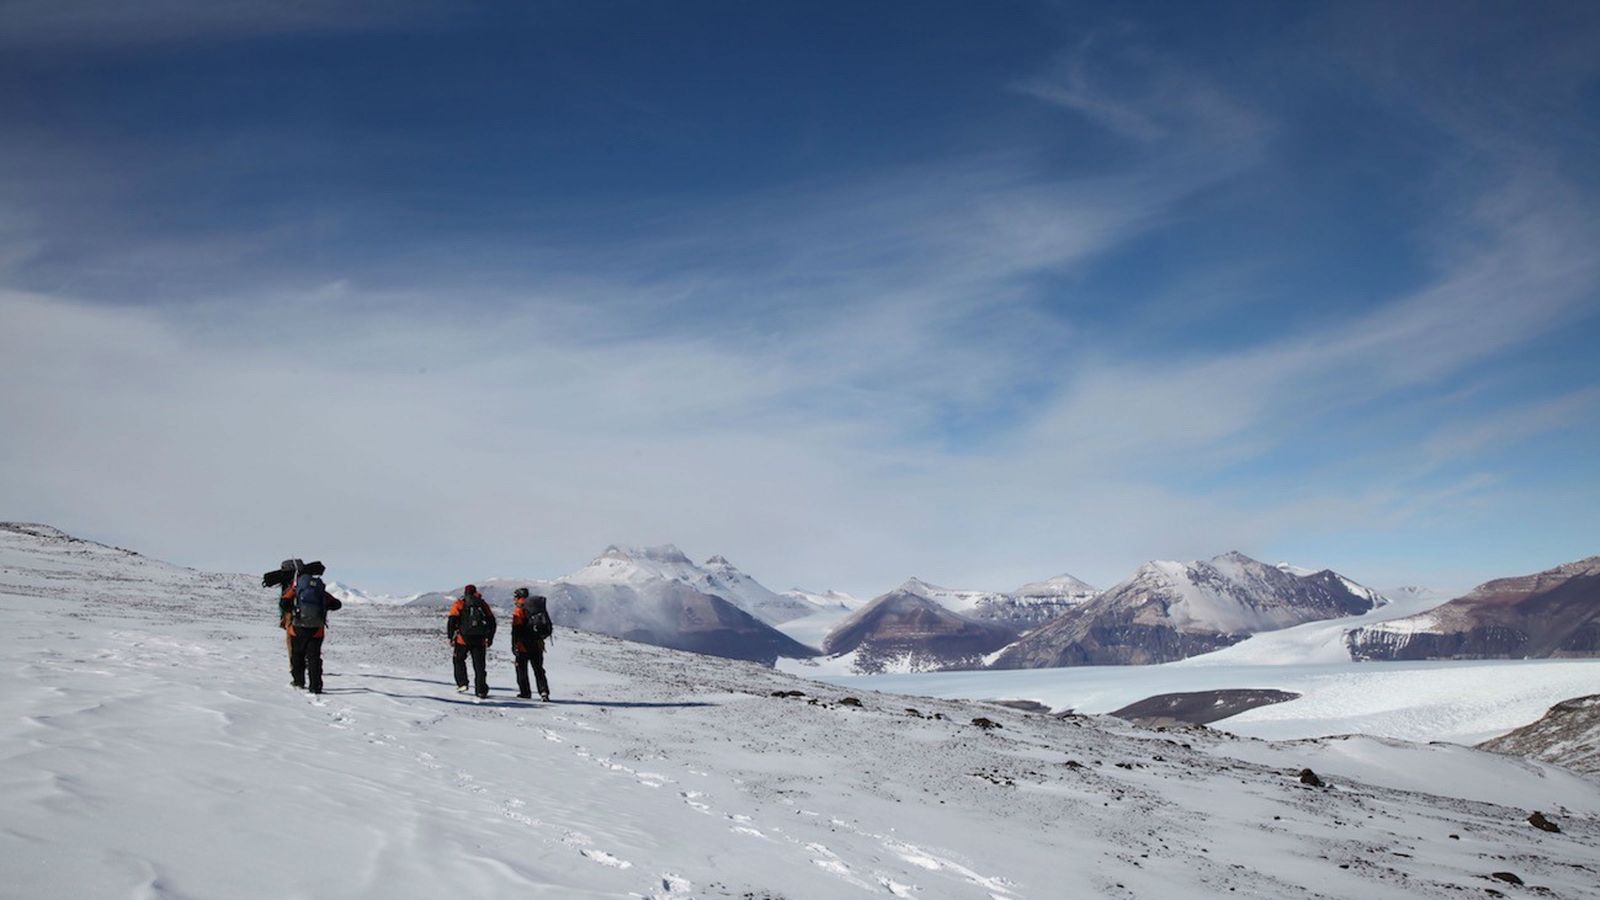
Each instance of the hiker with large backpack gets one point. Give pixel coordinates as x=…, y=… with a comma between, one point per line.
x=303, y=607
x=470, y=629
x=530, y=626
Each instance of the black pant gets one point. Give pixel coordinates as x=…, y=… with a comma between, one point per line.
x=305, y=659
x=534, y=657
x=480, y=664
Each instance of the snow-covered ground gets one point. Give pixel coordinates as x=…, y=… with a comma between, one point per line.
x=150, y=747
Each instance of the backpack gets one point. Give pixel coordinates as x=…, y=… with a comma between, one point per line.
x=310, y=602
x=476, y=619
x=540, y=622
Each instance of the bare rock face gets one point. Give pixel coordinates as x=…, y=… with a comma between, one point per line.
x=905, y=630
x=1567, y=735
x=1170, y=610
x=1554, y=613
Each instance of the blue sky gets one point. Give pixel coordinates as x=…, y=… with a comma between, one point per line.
x=844, y=292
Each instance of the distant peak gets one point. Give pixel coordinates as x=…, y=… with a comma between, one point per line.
x=660, y=553
x=719, y=560
x=1234, y=556
x=914, y=585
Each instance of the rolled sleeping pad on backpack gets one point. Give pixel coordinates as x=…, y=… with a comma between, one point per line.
x=285, y=572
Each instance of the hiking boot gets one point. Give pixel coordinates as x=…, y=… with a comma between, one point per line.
x=524, y=696
x=545, y=697
x=461, y=689
x=297, y=684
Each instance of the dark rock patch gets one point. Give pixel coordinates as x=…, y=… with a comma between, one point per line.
x=1538, y=821
x=1199, y=707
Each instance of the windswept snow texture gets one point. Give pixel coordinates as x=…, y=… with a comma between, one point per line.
x=1554, y=613
x=1172, y=610
x=653, y=595
x=149, y=747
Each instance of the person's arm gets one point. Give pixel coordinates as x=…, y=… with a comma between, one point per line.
x=494, y=625
x=453, y=621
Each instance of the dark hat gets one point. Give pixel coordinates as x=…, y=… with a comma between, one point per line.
x=520, y=592
x=470, y=589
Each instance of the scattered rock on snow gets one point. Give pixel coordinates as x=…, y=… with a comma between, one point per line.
x=850, y=701
x=1309, y=777
x=1507, y=877
x=1538, y=821
x=986, y=723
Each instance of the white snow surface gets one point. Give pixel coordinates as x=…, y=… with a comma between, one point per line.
x=149, y=747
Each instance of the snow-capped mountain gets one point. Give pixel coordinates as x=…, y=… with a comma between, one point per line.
x=717, y=576
x=1551, y=613
x=1028, y=606
x=919, y=627
x=725, y=580
x=656, y=595
x=907, y=631
x=349, y=594
x=1172, y=610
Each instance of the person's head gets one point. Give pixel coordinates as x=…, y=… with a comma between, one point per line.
x=469, y=591
x=520, y=596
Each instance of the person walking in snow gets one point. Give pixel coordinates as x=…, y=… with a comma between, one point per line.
x=303, y=609
x=530, y=625
x=471, y=628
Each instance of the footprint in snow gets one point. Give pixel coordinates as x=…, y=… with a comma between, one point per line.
x=672, y=886
x=692, y=798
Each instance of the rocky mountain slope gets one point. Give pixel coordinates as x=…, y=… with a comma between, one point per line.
x=920, y=627
x=1171, y=610
x=657, y=596
x=1568, y=735
x=905, y=631
x=1554, y=613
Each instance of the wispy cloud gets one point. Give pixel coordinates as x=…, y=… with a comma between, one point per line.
x=838, y=380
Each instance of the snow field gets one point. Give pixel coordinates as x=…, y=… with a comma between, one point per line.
x=150, y=747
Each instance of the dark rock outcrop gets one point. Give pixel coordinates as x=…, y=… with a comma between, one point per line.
x=1554, y=613
x=1568, y=735
x=1199, y=707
